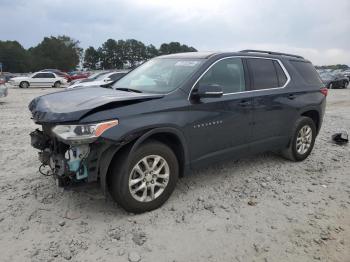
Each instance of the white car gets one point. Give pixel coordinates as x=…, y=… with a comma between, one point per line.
x=102, y=79
x=39, y=79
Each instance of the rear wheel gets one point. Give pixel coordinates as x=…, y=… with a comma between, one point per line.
x=302, y=141
x=330, y=86
x=24, y=84
x=345, y=84
x=144, y=180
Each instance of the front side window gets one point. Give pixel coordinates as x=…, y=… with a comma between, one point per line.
x=227, y=73
x=264, y=75
x=159, y=75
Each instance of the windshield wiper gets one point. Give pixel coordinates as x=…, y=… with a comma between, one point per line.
x=128, y=89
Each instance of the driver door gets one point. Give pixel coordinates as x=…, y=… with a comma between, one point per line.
x=221, y=126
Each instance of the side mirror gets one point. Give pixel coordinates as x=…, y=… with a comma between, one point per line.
x=208, y=91
x=107, y=79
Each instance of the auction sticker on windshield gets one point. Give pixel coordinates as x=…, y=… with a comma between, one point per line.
x=186, y=63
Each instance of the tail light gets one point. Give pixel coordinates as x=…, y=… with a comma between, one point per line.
x=324, y=91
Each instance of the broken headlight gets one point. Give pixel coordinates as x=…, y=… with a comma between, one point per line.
x=84, y=133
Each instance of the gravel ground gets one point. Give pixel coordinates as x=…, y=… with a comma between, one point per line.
x=261, y=208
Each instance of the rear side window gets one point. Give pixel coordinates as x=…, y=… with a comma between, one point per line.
x=281, y=76
x=307, y=71
x=263, y=73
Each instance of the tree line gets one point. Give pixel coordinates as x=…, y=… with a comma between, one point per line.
x=128, y=53
x=65, y=53
x=333, y=67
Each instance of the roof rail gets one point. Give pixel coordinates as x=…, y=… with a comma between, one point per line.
x=269, y=52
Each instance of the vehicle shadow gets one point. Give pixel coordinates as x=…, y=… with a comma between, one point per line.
x=90, y=198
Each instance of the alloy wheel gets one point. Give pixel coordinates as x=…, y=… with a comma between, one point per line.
x=149, y=178
x=304, y=139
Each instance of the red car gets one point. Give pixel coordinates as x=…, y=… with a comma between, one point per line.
x=79, y=75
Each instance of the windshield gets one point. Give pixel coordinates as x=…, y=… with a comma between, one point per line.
x=159, y=75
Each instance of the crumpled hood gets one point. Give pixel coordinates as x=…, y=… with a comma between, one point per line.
x=72, y=105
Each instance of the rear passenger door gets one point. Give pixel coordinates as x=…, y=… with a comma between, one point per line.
x=272, y=116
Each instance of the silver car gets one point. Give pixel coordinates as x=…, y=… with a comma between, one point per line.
x=3, y=88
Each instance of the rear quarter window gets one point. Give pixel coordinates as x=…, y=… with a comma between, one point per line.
x=307, y=71
x=263, y=73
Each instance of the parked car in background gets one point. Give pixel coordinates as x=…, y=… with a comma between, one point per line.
x=175, y=113
x=5, y=76
x=78, y=75
x=3, y=87
x=334, y=80
x=2, y=80
x=346, y=73
x=39, y=79
x=59, y=73
x=103, y=79
x=91, y=78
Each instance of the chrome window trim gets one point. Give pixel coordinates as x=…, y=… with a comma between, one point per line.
x=248, y=91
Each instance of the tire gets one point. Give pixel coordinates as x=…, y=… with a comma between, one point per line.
x=330, y=86
x=57, y=84
x=345, y=84
x=125, y=169
x=292, y=152
x=24, y=84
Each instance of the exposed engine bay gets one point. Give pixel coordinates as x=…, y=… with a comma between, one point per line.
x=67, y=163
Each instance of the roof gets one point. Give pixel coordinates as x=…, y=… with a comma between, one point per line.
x=205, y=55
x=190, y=55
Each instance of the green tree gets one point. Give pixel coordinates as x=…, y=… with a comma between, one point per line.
x=175, y=47
x=333, y=67
x=13, y=57
x=60, y=52
x=111, y=54
x=91, y=58
x=135, y=52
x=151, y=51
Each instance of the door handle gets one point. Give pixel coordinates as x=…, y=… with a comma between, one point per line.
x=244, y=103
x=291, y=96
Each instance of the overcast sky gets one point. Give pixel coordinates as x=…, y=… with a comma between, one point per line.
x=316, y=29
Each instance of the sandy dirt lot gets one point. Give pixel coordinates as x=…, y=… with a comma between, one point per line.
x=261, y=208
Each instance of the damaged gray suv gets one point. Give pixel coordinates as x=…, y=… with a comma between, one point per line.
x=175, y=113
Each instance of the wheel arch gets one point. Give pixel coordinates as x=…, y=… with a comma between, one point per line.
x=172, y=137
x=24, y=81
x=315, y=116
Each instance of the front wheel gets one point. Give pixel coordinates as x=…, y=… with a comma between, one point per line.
x=345, y=84
x=24, y=84
x=330, y=86
x=144, y=180
x=302, y=141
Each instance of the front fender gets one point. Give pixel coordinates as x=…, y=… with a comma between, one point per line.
x=134, y=141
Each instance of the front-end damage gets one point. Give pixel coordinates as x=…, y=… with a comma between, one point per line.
x=71, y=147
x=71, y=163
